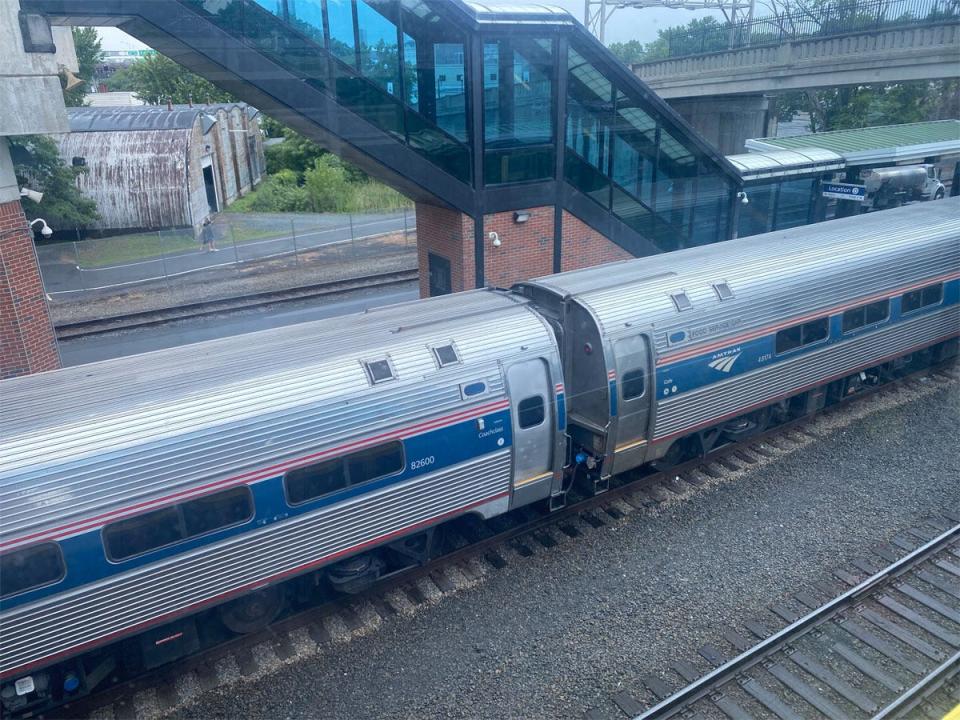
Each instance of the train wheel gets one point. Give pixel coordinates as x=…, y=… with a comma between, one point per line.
x=252, y=612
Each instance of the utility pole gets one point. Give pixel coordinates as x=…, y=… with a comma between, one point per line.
x=596, y=13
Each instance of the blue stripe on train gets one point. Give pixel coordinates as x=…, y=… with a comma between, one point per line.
x=86, y=561
x=719, y=365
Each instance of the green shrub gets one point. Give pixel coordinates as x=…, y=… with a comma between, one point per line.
x=326, y=185
x=278, y=193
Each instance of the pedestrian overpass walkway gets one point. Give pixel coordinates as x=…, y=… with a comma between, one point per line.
x=457, y=104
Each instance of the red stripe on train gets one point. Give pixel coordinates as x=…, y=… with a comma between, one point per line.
x=252, y=475
x=249, y=586
x=752, y=334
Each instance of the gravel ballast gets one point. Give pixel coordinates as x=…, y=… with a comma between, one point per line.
x=555, y=634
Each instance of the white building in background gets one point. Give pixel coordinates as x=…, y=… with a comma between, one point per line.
x=154, y=167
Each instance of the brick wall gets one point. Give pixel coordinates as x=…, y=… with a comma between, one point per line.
x=447, y=233
x=526, y=249
x=583, y=246
x=27, y=340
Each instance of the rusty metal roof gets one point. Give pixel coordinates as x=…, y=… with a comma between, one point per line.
x=112, y=119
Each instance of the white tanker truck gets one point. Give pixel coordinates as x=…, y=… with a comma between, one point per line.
x=893, y=186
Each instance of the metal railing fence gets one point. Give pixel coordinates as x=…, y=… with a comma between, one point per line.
x=835, y=18
x=242, y=244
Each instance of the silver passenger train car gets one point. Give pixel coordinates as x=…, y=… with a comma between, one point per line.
x=138, y=490
x=227, y=475
x=666, y=356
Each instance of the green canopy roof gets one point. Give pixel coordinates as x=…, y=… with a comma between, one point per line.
x=938, y=137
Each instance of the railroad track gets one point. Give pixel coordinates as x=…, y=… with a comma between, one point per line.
x=159, y=316
x=882, y=646
x=477, y=549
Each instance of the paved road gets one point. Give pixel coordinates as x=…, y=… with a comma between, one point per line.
x=78, y=351
x=310, y=231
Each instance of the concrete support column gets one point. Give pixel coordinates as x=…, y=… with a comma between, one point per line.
x=728, y=122
x=527, y=248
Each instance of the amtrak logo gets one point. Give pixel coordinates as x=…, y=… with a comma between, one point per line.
x=724, y=364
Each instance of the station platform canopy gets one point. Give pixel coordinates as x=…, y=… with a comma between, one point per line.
x=785, y=163
x=867, y=146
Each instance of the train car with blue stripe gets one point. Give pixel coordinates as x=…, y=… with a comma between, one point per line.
x=139, y=491
x=229, y=477
x=666, y=356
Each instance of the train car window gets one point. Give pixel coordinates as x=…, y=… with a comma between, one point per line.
x=921, y=298
x=378, y=371
x=631, y=384
x=166, y=526
x=375, y=462
x=723, y=291
x=312, y=481
x=681, y=302
x=136, y=535
x=472, y=389
x=30, y=568
x=799, y=335
x=868, y=314
x=217, y=511
x=877, y=312
x=530, y=412
x=789, y=339
x=446, y=355
x=815, y=330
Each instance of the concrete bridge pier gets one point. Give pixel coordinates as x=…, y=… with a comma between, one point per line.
x=727, y=122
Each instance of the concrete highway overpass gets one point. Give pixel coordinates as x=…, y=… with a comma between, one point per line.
x=725, y=94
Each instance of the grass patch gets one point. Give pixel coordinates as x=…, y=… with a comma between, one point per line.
x=120, y=249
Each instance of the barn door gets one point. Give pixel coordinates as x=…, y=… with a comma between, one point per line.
x=531, y=410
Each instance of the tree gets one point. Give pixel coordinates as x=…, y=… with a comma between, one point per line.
x=628, y=52
x=37, y=164
x=87, y=44
x=870, y=105
x=157, y=79
x=295, y=153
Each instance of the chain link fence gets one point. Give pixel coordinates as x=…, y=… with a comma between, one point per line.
x=237, y=254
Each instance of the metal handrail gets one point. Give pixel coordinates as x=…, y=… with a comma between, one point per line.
x=837, y=18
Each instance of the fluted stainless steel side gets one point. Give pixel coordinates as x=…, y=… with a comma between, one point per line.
x=690, y=409
x=88, y=613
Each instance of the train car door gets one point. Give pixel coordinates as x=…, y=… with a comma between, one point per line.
x=634, y=387
x=532, y=413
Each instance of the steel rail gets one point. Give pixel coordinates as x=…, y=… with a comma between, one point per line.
x=922, y=690
x=729, y=670
x=160, y=316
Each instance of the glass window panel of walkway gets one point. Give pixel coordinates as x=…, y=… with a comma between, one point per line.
x=355, y=49
x=619, y=155
x=518, y=99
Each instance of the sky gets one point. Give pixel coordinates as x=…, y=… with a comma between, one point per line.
x=623, y=26
x=635, y=24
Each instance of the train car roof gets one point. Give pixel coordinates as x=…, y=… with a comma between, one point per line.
x=909, y=242
x=63, y=432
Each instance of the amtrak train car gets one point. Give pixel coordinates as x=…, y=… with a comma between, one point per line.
x=230, y=476
x=141, y=489
x=666, y=356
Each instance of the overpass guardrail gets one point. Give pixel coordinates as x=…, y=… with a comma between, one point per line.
x=838, y=18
